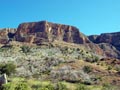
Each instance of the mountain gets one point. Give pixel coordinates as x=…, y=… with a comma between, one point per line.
x=109, y=42
x=46, y=31
x=105, y=45
x=53, y=52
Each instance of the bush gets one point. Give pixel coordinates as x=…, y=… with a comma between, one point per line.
x=8, y=86
x=41, y=87
x=87, y=69
x=109, y=87
x=8, y=68
x=49, y=87
x=22, y=86
x=61, y=86
x=92, y=59
x=96, y=58
x=109, y=68
x=81, y=87
x=25, y=49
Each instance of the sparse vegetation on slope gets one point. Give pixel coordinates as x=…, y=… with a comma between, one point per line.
x=57, y=62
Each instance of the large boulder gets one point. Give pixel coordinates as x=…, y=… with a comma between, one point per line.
x=35, y=32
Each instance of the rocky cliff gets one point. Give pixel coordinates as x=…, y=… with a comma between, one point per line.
x=109, y=42
x=35, y=32
x=7, y=34
x=111, y=38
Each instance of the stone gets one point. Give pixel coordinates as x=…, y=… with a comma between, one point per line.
x=3, y=79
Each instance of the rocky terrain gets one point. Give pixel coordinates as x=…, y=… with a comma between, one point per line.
x=106, y=45
x=109, y=42
x=56, y=52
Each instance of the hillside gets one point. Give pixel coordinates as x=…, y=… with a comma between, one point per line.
x=54, y=52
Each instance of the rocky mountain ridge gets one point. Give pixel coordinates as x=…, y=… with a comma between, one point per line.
x=37, y=32
x=108, y=40
x=34, y=32
x=56, y=52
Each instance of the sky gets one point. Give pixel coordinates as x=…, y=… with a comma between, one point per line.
x=90, y=16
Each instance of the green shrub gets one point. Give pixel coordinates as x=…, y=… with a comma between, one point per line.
x=109, y=87
x=96, y=58
x=49, y=87
x=61, y=86
x=25, y=49
x=109, y=68
x=92, y=59
x=41, y=87
x=81, y=87
x=64, y=50
x=36, y=87
x=7, y=68
x=8, y=86
x=87, y=69
x=22, y=86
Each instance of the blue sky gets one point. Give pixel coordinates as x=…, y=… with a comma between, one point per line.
x=90, y=16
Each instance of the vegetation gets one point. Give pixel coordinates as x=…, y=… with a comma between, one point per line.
x=109, y=67
x=109, y=87
x=61, y=86
x=25, y=49
x=72, y=65
x=8, y=68
x=22, y=86
x=82, y=87
x=87, y=69
x=8, y=86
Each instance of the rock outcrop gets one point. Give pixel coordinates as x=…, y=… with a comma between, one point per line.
x=111, y=38
x=7, y=34
x=35, y=32
x=109, y=50
x=93, y=38
x=108, y=42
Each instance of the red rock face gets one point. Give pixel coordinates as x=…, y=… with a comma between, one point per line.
x=46, y=31
x=109, y=42
x=5, y=34
x=111, y=38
